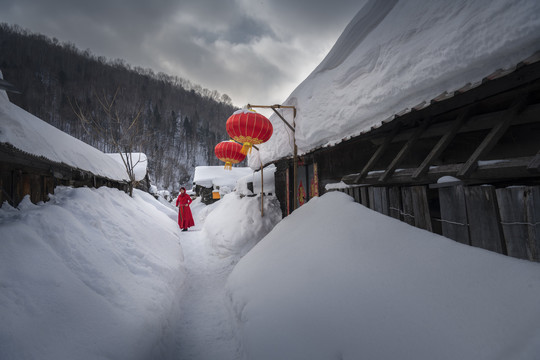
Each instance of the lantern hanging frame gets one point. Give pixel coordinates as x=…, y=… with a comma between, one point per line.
x=295, y=148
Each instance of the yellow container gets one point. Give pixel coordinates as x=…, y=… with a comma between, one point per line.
x=215, y=195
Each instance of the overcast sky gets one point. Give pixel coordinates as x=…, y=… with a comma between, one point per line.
x=255, y=51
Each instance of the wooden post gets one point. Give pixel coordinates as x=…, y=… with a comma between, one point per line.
x=380, y=196
x=422, y=218
x=378, y=199
x=519, y=207
x=295, y=148
x=484, y=220
x=533, y=217
x=364, y=196
x=262, y=191
x=394, y=201
x=356, y=194
x=408, y=208
x=454, y=214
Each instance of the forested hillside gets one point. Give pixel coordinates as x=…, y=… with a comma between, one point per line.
x=180, y=122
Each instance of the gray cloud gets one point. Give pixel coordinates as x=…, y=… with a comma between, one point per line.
x=253, y=50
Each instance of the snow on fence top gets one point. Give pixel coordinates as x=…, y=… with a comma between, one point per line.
x=34, y=136
x=395, y=55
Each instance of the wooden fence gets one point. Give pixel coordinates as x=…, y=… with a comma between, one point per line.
x=503, y=220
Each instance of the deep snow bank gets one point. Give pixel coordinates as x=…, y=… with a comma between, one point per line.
x=233, y=225
x=92, y=274
x=336, y=280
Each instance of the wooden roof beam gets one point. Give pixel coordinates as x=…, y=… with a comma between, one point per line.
x=404, y=150
x=441, y=145
x=493, y=136
x=377, y=155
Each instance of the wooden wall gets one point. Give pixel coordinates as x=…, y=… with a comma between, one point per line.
x=22, y=174
x=504, y=220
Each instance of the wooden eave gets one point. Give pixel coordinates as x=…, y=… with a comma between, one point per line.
x=503, y=100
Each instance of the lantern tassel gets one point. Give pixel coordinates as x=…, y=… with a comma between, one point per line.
x=246, y=148
x=228, y=166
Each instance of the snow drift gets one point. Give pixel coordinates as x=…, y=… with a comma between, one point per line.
x=336, y=280
x=92, y=274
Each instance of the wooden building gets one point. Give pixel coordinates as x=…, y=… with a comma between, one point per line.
x=24, y=174
x=35, y=157
x=465, y=165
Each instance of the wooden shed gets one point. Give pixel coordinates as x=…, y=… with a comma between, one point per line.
x=465, y=165
x=24, y=174
x=35, y=157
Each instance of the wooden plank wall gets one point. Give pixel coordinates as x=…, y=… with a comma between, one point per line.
x=520, y=218
x=454, y=214
x=504, y=220
x=16, y=184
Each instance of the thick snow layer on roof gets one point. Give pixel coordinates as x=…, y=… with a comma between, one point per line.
x=139, y=161
x=394, y=55
x=34, y=136
x=209, y=176
x=267, y=180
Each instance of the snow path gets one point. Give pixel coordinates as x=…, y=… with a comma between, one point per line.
x=204, y=330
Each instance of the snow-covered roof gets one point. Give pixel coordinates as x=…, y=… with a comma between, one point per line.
x=209, y=176
x=34, y=136
x=396, y=55
x=139, y=161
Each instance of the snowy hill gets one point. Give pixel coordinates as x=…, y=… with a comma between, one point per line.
x=395, y=55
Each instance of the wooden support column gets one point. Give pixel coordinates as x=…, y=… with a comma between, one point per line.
x=404, y=151
x=493, y=137
x=364, y=196
x=408, y=207
x=416, y=207
x=441, y=145
x=484, y=220
x=519, y=207
x=455, y=224
x=394, y=202
x=422, y=216
x=378, y=199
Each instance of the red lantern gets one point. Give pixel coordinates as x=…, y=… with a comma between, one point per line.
x=249, y=128
x=230, y=152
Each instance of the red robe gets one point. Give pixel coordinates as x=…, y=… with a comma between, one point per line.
x=185, y=219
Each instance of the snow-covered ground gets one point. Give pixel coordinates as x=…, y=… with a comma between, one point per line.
x=91, y=274
x=95, y=274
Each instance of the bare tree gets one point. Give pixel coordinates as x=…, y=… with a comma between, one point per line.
x=120, y=127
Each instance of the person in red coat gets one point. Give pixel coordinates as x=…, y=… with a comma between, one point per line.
x=185, y=219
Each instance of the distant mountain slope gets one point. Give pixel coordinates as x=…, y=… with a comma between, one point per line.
x=182, y=121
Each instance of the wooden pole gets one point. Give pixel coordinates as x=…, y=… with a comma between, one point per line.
x=262, y=190
x=295, y=148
